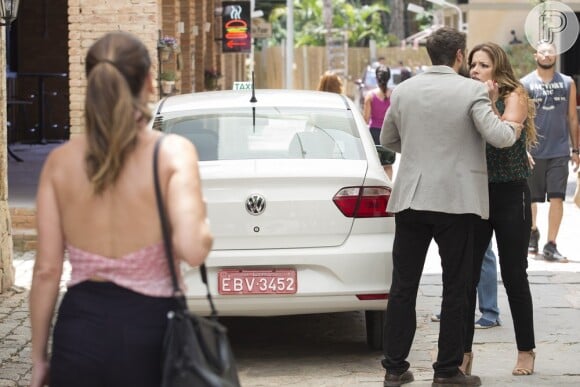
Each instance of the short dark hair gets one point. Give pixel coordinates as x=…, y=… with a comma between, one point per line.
x=442, y=45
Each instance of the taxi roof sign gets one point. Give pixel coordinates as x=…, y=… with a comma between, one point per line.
x=246, y=85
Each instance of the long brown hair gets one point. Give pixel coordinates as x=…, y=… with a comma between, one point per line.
x=503, y=74
x=116, y=68
x=331, y=82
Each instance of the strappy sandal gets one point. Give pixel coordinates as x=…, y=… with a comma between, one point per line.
x=522, y=371
x=467, y=363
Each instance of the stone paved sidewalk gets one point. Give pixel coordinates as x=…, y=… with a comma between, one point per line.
x=14, y=338
x=556, y=313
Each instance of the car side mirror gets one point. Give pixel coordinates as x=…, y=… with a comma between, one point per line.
x=386, y=156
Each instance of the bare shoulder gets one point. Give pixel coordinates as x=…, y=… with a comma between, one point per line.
x=518, y=96
x=178, y=149
x=176, y=142
x=369, y=95
x=69, y=153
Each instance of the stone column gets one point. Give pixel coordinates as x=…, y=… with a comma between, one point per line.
x=6, y=265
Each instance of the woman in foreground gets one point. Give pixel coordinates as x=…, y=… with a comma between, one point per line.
x=96, y=200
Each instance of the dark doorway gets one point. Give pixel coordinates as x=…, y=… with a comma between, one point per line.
x=570, y=63
x=38, y=73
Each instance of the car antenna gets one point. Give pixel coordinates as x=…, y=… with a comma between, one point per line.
x=253, y=100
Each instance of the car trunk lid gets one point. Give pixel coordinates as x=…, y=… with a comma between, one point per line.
x=261, y=204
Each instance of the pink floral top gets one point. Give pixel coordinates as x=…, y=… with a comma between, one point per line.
x=144, y=271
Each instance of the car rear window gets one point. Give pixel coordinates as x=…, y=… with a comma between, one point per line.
x=272, y=133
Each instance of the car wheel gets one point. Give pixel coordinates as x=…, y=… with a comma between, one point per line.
x=375, y=320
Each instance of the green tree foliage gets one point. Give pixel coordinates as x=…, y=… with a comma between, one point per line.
x=360, y=22
x=521, y=57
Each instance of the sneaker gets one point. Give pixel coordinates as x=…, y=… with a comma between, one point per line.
x=436, y=317
x=552, y=254
x=534, y=238
x=486, y=324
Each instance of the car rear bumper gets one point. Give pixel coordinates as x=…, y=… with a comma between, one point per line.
x=328, y=279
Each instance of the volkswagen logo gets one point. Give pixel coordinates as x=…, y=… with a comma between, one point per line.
x=255, y=204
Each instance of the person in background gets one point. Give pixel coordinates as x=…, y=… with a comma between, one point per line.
x=424, y=206
x=330, y=82
x=376, y=104
x=405, y=72
x=96, y=200
x=556, y=121
x=577, y=191
x=379, y=62
x=509, y=202
x=486, y=293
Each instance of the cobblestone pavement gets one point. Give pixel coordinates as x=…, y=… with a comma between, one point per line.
x=330, y=350
x=14, y=338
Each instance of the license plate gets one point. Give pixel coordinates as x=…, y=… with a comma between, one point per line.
x=239, y=282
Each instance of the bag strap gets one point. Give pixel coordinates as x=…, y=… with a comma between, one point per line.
x=177, y=292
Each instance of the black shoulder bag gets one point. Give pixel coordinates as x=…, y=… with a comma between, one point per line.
x=196, y=350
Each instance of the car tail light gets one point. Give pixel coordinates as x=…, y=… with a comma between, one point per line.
x=363, y=202
x=370, y=297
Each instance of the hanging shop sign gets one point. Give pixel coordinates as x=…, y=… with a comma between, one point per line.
x=236, y=26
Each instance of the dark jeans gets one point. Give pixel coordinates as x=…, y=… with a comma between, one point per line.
x=510, y=218
x=106, y=335
x=414, y=231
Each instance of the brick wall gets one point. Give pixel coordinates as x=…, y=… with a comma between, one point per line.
x=89, y=20
x=47, y=40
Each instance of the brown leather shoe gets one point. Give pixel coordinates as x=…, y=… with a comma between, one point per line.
x=392, y=380
x=458, y=380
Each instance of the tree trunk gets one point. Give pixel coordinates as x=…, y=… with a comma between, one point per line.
x=397, y=26
x=327, y=14
x=327, y=20
x=6, y=266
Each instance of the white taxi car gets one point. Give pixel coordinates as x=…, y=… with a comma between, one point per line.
x=296, y=199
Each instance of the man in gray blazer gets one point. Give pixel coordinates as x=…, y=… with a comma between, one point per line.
x=439, y=121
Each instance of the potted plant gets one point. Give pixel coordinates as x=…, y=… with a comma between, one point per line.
x=166, y=45
x=210, y=78
x=167, y=81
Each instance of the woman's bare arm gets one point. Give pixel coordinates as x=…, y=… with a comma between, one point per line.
x=516, y=108
x=192, y=239
x=47, y=266
x=367, y=107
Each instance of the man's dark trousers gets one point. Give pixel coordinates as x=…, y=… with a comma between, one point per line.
x=454, y=234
